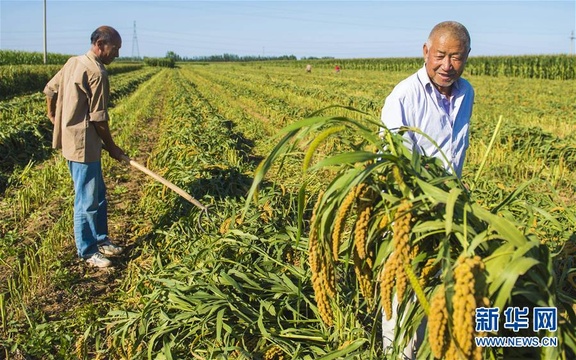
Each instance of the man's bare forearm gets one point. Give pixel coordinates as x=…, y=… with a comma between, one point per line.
x=103, y=131
x=51, y=107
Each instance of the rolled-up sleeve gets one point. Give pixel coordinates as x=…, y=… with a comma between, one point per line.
x=99, y=87
x=51, y=88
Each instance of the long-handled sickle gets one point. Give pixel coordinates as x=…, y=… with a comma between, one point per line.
x=171, y=185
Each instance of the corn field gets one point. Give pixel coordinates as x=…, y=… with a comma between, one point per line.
x=317, y=221
x=15, y=57
x=552, y=67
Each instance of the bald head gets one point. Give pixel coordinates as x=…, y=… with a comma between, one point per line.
x=106, y=44
x=451, y=29
x=106, y=34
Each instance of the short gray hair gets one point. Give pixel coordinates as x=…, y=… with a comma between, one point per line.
x=454, y=28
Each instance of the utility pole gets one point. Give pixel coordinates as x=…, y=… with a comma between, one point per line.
x=45, y=47
x=572, y=37
x=135, y=49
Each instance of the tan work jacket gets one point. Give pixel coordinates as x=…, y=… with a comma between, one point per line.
x=82, y=90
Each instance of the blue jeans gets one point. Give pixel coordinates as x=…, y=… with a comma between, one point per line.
x=90, y=207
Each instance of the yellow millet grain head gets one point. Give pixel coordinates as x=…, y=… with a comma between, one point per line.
x=404, y=208
x=384, y=221
x=314, y=255
x=274, y=353
x=369, y=261
x=465, y=302
x=452, y=352
x=340, y=221
x=367, y=197
x=428, y=271
x=318, y=286
x=475, y=262
x=387, y=281
x=109, y=341
x=474, y=269
x=483, y=302
x=140, y=348
x=361, y=231
x=401, y=278
x=128, y=348
x=225, y=226
x=402, y=225
x=359, y=189
x=267, y=208
x=478, y=351
x=364, y=276
x=336, y=236
x=438, y=324
x=323, y=275
x=398, y=176
x=401, y=238
x=313, y=217
x=321, y=294
x=463, y=321
x=344, y=344
x=414, y=250
x=234, y=354
x=291, y=256
x=328, y=276
x=79, y=349
x=316, y=206
x=324, y=308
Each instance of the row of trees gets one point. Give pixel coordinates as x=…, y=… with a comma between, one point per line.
x=16, y=57
x=227, y=58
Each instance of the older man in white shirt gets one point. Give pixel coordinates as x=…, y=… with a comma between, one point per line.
x=436, y=99
x=438, y=102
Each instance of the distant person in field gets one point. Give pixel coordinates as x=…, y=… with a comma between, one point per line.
x=337, y=68
x=77, y=98
x=308, y=68
x=439, y=102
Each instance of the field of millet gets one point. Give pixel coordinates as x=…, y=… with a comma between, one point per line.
x=315, y=220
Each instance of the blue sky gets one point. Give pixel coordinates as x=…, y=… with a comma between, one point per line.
x=342, y=29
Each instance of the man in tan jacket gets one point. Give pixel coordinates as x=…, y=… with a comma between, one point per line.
x=77, y=98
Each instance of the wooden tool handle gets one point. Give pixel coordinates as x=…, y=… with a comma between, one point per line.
x=169, y=184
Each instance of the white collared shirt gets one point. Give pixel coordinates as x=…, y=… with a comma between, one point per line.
x=417, y=103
